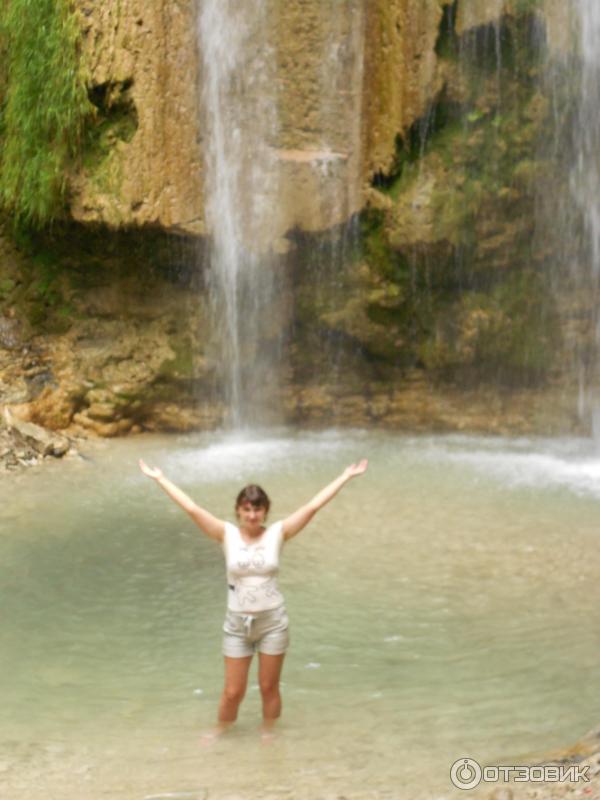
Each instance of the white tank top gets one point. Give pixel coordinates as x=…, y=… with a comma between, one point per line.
x=252, y=569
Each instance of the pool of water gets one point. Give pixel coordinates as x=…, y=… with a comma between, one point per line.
x=445, y=605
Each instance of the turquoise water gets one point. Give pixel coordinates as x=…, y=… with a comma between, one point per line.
x=445, y=605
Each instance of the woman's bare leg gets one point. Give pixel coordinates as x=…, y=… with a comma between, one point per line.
x=269, y=672
x=236, y=680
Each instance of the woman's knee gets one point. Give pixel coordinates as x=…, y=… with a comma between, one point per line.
x=234, y=693
x=268, y=687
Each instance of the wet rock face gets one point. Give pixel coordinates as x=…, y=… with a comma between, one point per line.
x=101, y=350
x=141, y=162
x=401, y=73
x=404, y=69
x=143, y=153
x=345, y=87
x=444, y=279
x=451, y=276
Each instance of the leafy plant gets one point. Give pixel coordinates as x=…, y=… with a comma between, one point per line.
x=44, y=107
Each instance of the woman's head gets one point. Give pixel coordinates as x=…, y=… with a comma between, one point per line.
x=253, y=495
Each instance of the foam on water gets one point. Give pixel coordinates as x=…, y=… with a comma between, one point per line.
x=237, y=455
x=571, y=464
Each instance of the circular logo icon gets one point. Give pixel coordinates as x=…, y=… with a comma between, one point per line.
x=465, y=773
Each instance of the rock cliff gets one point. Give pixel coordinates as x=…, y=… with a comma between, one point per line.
x=416, y=171
x=347, y=86
x=142, y=161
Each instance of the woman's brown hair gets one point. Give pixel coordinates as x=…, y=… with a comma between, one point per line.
x=254, y=495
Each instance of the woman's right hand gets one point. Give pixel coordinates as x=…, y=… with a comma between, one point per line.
x=151, y=472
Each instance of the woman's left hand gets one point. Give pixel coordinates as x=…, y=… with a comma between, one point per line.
x=356, y=469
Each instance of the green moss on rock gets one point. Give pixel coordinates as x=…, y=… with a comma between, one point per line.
x=456, y=285
x=182, y=365
x=115, y=120
x=508, y=334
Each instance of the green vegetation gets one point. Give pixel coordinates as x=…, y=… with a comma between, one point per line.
x=44, y=107
x=507, y=334
x=182, y=366
x=456, y=281
x=524, y=6
x=41, y=296
x=116, y=119
x=447, y=45
x=6, y=287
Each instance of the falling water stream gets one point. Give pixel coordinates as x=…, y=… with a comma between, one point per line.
x=585, y=183
x=251, y=177
x=239, y=105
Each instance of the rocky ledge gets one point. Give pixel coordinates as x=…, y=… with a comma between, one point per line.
x=24, y=444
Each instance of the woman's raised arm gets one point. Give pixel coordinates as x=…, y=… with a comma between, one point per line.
x=211, y=526
x=300, y=518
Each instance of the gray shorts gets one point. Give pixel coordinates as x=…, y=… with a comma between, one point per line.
x=265, y=631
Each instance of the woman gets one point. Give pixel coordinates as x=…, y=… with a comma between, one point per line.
x=256, y=617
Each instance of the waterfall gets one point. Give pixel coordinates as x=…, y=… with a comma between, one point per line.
x=585, y=188
x=239, y=106
x=281, y=131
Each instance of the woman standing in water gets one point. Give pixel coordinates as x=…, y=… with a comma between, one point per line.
x=256, y=619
